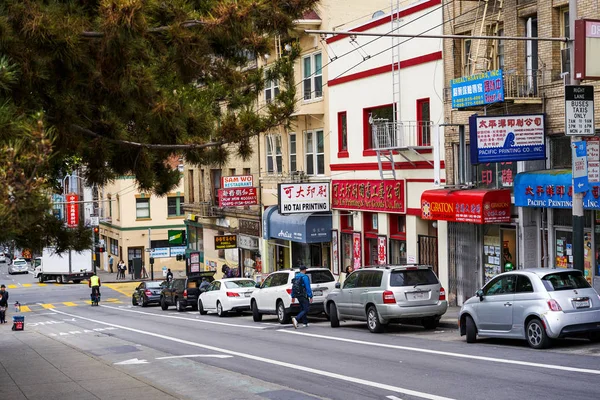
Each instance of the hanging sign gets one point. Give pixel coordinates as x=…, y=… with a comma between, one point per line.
x=237, y=181
x=356, y=250
x=580, y=172
x=238, y=197
x=593, y=159
x=335, y=252
x=223, y=242
x=579, y=110
x=297, y=198
x=382, y=250
x=72, y=210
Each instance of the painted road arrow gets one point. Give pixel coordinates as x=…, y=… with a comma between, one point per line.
x=132, y=362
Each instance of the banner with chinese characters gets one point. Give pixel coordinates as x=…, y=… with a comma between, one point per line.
x=356, y=250
x=223, y=242
x=297, y=198
x=551, y=189
x=507, y=138
x=381, y=250
x=72, y=210
x=335, y=252
x=479, y=89
x=238, y=197
x=369, y=195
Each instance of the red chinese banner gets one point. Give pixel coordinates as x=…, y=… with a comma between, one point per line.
x=369, y=195
x=474, y=205
x=238, y=197
x=72, y=215
x=382, y=250
x=356, y=250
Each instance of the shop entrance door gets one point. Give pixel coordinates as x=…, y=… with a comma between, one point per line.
x=428, y=251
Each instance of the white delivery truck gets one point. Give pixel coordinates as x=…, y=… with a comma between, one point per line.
x=65, y=267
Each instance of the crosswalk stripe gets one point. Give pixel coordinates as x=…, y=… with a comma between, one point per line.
x=12, y=286
x=27, y=285
x=42, y=284
x=25, y=309
x=69, y=304
x=47, y=306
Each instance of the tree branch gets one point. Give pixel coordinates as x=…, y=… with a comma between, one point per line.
x=185, y=24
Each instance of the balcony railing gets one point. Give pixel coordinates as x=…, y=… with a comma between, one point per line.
x=521, y=86
x=402, y=134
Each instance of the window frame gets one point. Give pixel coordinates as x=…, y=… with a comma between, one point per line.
x=424, y=125
x=138, y=201
x=274, y=155
x=466, y=55
x=518, y=281
x=179, y=200
x=313, y=152
x=342, y=134
x=272, y=89
x=368, y=145
x=293, y=155
x=491, y=283
x=500, y=57
x=312, y=77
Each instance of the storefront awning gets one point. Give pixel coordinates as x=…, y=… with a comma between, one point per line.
x=551, y=188
x=477, y=206
x=301, y=228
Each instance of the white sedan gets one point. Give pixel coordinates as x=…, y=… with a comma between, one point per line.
x=224, y=295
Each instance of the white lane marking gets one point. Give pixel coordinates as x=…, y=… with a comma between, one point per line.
x=394, y=398
x=196, y=355
x=446, y=353
x=186, y=319
x=358, y=381
x=131, y=362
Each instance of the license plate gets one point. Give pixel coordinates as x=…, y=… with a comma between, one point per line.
x=582, y=304
x=247, y=294
x=418, y=296
x=317, y=293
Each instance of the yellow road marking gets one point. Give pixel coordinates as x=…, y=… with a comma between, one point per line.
x=47, y=306
x=69, y=304
x=27, y=285
x=42, y=284
x=25, y=309
x=12, y=286
x=125, y=288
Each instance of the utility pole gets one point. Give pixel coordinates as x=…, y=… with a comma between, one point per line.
x=578, y=213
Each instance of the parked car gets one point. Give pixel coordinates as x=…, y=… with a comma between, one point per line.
x=273, y=296
x=147, y=293
x=184, y=292
x=2, y=258
x=18, y=266
x=380, y=295
x=224, y=295
x=533, y=304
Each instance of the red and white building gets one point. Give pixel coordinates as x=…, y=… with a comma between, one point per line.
x=380, y=165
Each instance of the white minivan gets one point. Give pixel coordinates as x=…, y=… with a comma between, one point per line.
x=273, y=296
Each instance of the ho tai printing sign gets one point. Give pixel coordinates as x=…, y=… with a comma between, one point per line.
x=297, y=198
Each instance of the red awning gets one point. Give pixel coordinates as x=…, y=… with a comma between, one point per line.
x=478, y=206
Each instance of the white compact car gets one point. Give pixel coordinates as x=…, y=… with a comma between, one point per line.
x=18, y=266
x=224, y=295
x=2, y=258
x=274, y=295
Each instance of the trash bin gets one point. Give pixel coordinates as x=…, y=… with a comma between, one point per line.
x=18, y=323
x=137, y=268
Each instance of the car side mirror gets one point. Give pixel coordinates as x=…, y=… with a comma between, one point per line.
x=338, y=285
x=479, y=294
x=257, y=286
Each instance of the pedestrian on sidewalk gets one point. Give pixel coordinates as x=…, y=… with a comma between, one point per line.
x=301, y=290
x=110, y=263
x=169, y=275
x=3, y=303
x=144, y=273
x=121, y=270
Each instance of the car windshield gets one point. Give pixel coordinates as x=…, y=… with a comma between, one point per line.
x=320, y=276
x=239, y=284
x=20, y=262
x=414, y=277
x=565, y=281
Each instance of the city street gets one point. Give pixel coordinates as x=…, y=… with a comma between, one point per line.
x=200, y=357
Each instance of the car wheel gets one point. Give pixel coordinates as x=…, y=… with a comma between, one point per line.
x=220, y=311
x=201, y=309
x=471, y=329
x=41, y=278
x=133, y=301
x=594, y=337
x=333, y=316
x=163, y=304
x=143, y=302
x=430, y=323
x=59, y=279
x=536, y=335
x=256, y=316
x=282, y=316
x=373, y=322
x=178, y=306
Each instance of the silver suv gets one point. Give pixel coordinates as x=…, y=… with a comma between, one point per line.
x=384, y=294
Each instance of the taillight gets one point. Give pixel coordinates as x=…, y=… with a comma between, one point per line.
x=232, y=294
x=147, y=292
x=185, y=294
x=442, y=294
x=553, y=305
x=388, y=297
x=289, y=291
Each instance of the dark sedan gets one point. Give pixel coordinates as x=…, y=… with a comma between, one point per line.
x=147, y=293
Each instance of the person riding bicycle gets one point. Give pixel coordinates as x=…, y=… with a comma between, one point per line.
x=95, y=284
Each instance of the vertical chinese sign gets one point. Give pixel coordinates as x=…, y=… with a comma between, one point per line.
x=72, y=210
x=381, y=250
x=356, y=250
x=335, y=252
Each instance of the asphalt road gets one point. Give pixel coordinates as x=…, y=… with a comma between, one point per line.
x=203, y=357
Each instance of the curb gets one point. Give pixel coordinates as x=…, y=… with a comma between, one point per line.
x=448, y=324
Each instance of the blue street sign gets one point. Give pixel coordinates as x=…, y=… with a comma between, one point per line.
x=580, y=173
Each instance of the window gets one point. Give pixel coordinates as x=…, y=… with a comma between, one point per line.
x=191, y=185
x=500, y=51
x=315, y=153
x=342, y=134
x=293, y=159
x=247, y=171
x=565, y=31
x=560, y=154
x=524, y=284
x=280, y=279
x=570, y=280
x=370, y=114
x=370, y=279
x=466, y=57
x=375, y=223
x=352, y=279
x=320, y=276
x=240, y=284
x=271, y=89
x=142, y=208
x=399, y=278
x=312, y=76
x=274, y=156
x=114, y=247
x=110, y=206
x=424, y=122
x=500, y=285
x=232, y=171
x=268, y=282
x=216, y=184
x=174, y=206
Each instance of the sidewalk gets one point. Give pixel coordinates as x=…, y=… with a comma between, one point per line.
x=450, y=319
x=34, y=366
x=107, y=277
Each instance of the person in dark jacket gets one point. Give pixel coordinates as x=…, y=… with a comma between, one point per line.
x=305, y=297
x=3, y=304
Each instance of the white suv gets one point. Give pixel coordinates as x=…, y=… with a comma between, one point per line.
x=274, y=295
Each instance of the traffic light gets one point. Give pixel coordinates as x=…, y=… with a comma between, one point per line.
x=179, y=257
x=101, y=249
x=96, y=230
